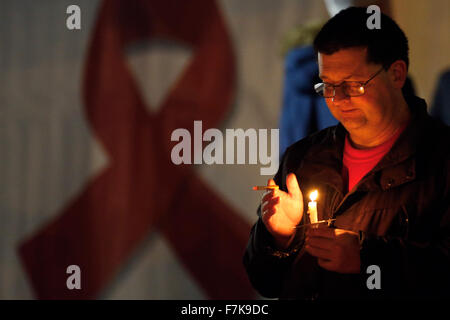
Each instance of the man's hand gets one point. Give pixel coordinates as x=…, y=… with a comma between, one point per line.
x=283, y=211
x=336, y=249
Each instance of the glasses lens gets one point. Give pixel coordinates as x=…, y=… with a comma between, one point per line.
x=328, y=91
x=354, y=90
x=324, y=90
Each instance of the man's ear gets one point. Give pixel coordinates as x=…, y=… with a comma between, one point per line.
x=397, y=73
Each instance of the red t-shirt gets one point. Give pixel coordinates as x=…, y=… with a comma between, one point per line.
x=358, y=162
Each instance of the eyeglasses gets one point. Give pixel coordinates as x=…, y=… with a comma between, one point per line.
x=350, y=88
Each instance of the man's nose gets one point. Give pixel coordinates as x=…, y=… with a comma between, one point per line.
x=339, y=95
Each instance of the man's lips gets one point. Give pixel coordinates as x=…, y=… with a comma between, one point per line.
x=348, y=110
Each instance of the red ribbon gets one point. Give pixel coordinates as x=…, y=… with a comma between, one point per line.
x=141, y=189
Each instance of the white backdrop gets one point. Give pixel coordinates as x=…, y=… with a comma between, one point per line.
x=47, y=153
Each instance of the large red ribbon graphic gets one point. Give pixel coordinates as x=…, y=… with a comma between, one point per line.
x=141, y=189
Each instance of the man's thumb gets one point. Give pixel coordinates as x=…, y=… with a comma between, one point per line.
x=292, y=185
x=271, y=182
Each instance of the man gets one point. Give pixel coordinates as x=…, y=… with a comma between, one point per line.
x=382, y=173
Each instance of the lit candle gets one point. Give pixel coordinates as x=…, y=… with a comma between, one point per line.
x=312, y=207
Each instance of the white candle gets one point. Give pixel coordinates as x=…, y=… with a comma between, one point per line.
x=312, y=206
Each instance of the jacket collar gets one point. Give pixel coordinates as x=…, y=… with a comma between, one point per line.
x=398, y=166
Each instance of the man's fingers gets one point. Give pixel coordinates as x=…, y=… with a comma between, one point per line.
x=271, y=182
x=269, y=194
x=319, y=242
x=269, y=204
x=293, y=187
x=318, y=252
x=326, y=264
x=265, y=215
x=329, y=233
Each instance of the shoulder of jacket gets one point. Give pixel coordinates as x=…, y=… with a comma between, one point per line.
x=323, y=136
x=300, y=148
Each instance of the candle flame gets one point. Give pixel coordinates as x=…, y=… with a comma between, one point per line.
x=313, y=195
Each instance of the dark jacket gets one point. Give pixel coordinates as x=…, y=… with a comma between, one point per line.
x=400, y=209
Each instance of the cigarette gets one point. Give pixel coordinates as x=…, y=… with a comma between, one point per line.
x=266, y=187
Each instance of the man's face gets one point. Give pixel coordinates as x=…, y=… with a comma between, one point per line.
x=366, y=114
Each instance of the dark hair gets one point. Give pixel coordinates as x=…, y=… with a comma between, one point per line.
x=349, y=29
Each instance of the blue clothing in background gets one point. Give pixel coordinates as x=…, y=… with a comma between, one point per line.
x=441, y=104
x=303, y=111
